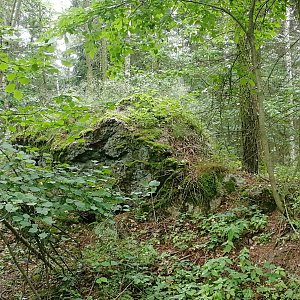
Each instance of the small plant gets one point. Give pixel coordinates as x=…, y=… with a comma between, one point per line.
x=183, y=240
x=224, y=278
x=225, y=228
x=263, y=238
x=145, y=201
x=121, y=265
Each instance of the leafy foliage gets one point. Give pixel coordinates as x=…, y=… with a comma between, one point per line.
x=133, y=267
x=174, y=48
x=36, y=199
x=227, y=227
x=33, y=195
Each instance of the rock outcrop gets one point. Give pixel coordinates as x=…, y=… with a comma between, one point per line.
x=145, y=139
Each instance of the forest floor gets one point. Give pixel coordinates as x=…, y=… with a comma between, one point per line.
x=131, y=244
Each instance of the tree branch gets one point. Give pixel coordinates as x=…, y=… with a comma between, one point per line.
x=219, y=8
x=25, y=242
x=2, y=236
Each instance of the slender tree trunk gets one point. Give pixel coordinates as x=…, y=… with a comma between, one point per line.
x=127, y=65
x=15, y=15
x=256, y=69
x=289, y=70
x=104, y=61
x=88, y=62
x=10, y=20
x=248, y=113
x=89, y=67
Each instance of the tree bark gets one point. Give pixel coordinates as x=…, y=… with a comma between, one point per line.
x=258, y=91
x=15, y=13
x=289, y=70
x=248, y=113
x=104, y=61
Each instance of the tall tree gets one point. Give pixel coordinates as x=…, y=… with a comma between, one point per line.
x=254, y=22
x=248, y=111
x=289, y=70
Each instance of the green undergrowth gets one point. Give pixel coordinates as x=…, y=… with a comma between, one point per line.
x=161, y=261
x=226, y=228
x=38, y=204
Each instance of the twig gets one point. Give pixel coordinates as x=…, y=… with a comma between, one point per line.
x=222, y=9
x=2, y=236
x=92, y=287
x=288, y=217
x=61, y=259
x=25, y=242
x=8, y=158
x=66, y=234
x=46, y=254
x=124, y=290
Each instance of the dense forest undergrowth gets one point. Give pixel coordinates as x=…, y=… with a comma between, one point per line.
x=235, y=252
x=149, y=149
x=130, y=204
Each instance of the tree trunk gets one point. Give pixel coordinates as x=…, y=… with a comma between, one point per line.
x=88, y=62
x=248, y=113
x=104, y=62
x=127, y=64
x=289, y=70
x=15, y=13
x=258, y=91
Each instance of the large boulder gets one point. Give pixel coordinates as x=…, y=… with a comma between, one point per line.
x=145, y=140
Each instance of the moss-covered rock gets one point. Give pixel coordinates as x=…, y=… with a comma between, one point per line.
x=145, y=139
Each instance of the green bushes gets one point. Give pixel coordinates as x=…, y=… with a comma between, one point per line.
x=135, y=269
x=224, y=278
x=225, y=228
x=38, y=203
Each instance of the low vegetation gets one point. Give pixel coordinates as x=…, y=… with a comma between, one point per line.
x=149, y=150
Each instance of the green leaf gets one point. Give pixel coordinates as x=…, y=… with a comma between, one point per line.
x=34, y=189
x=105, y=263
x=33, y=229
x=24, y=80
x=42, y=210
x=48, y=220
x=66, y=63
x=18, y=95
x=10, y=208
x=154, y=183
x=3, y=66
x=10, y=88
x=34, y=67
x=60, y=122
x=11, y=76
x=43, y=235
x=101, y=280
x=48, y=204
x=25, y=223
x=80, y=205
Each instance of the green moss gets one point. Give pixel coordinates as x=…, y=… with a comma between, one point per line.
x=152, y=134
x=143, y=139
x=191, y=185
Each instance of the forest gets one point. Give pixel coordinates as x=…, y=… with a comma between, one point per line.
x=150, y=149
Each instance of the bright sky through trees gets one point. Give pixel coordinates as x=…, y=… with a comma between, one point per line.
x=59, y=5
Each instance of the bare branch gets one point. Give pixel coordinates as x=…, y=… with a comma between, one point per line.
x=13, y=256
